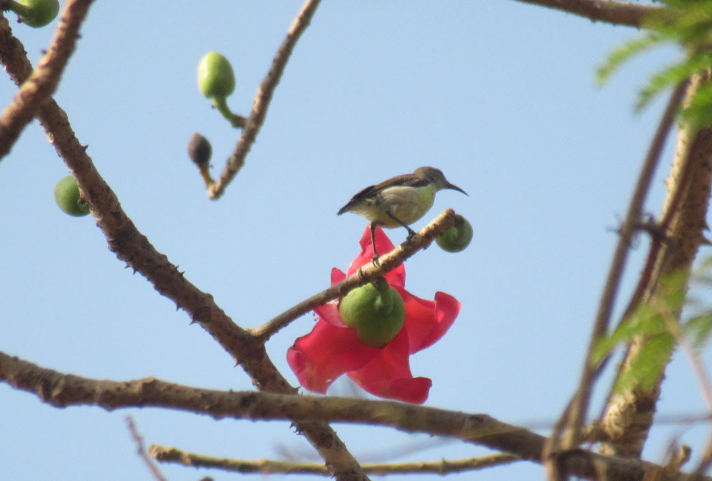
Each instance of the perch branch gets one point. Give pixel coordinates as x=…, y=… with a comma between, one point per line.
x=62, y=390
x=267, y=466
x=263, y=99
x=43, y=81
x=365, y=274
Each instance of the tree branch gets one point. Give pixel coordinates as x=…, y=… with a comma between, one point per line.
x=43, y=81
x=609, y=11
x=64, y=390
x=263, y=99
x=267, y=466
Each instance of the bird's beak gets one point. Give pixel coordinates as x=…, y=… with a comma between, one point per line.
x=454, y=187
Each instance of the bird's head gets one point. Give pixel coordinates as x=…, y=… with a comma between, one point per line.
x=437, y=178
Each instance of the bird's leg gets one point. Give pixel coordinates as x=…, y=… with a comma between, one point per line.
x=411, y=232
x=374, y=259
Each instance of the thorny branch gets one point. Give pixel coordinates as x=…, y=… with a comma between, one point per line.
x=574, y=416
x=64, y=390
x=629, y=414
x=43, y=81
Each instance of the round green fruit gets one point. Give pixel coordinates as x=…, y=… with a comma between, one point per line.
x=68, y=198
x=375, y=310
x=456, y=239
x=215, y=76
x=35, y=13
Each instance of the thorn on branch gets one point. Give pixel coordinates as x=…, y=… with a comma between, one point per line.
x=649, y=225
x=654, y=230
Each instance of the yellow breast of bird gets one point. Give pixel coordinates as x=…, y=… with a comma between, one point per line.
x=408, y=204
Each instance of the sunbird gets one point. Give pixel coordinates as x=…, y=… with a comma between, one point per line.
x=399, y=201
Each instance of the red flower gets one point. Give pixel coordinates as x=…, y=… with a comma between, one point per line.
x=332, y=348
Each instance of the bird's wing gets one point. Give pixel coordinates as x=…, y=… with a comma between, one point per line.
x=365, y=193
x=405, y=180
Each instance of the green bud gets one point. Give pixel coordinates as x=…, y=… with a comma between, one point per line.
x=35, y=13
x=199, y=150
x=375, y=310
x=68, y=198
x=456, y=239
x=215, y=76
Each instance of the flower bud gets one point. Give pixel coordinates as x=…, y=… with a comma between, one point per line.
x=199, y=150
x=68, y=198
x=375, y=310
x=456, y=239
x=35, y=13
x=215, y=76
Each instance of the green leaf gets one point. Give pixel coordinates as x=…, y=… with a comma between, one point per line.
x=624, y=53
x=673, y=75
x=644, y=321
x=698, y=329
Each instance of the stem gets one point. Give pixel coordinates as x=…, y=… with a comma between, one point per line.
x=237, y=121
x=20, y=9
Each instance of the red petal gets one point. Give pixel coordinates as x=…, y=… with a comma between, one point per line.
x=337, y=276
x=329, y=312
x=326, y=353
x=396, y=277
x=427, y=321
x=388, y=374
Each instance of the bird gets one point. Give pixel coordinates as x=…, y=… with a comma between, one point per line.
x=399, y=201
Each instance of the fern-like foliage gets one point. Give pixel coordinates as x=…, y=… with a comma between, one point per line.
x=687, y=23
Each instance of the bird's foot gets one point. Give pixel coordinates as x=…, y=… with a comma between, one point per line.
x=411, y=234
x=375, y=261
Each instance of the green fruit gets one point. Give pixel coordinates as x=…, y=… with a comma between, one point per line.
x=375, y=310
x=215, y=76
x=68, y=198
x=456, y=239
x=35, y=13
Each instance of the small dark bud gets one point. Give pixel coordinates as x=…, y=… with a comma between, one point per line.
x=199, y=150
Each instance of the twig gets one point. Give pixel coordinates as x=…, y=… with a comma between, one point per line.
x=262, y=99
x=367, y=273
x=63, y=390
x=142, y=450
x=43, y=81
x=268, y=466
x=575, y=413
x=609, y=11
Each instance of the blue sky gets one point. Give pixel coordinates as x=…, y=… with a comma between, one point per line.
x=498, y=94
